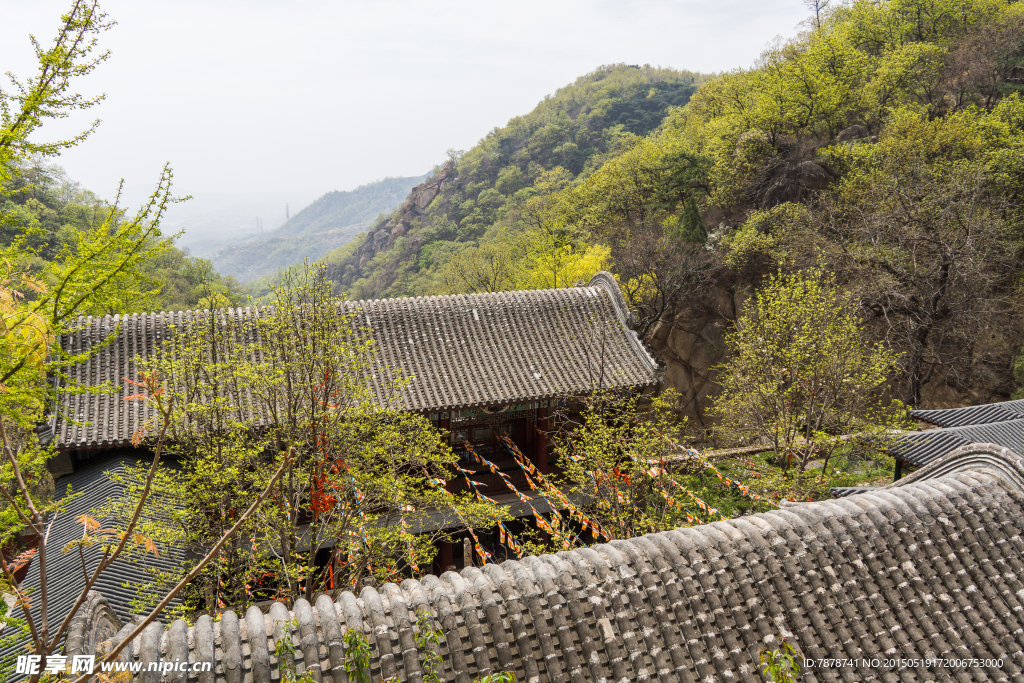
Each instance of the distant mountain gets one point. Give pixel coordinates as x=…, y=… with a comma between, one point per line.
x=330, y=222
x=572, y=133
x=216, y=220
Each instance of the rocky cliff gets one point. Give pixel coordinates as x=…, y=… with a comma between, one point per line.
x=415, y=205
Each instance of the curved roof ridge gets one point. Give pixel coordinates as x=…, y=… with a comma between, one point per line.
x=602, y=280
x=987, y=456
x=922, y=447
x=985, y=413
x=627, y=318
x=631, y=604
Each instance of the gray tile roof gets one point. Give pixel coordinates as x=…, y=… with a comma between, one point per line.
x=457, y=352
x=921, y=448
x=844, y=491
x=928, y=567
x=972, y=415
x=64, y=571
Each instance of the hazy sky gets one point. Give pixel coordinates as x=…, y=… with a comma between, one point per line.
x=293, y=99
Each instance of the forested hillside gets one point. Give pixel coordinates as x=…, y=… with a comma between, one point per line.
x=882, y=144
x=566, y=137
x=355, y=207
x=49, y=211
x=331, y=221
x=885, y=145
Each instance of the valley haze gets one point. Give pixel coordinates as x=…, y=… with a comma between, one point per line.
x=257, y=105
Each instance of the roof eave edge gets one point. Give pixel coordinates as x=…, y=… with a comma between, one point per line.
x=1004, y=461
x=553, y=396
x=607, y=282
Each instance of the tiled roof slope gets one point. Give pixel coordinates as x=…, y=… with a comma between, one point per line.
x=844, y=491
x=972, y=415
x=456, y=352
x=921, y=448
x=64, y=571
x=929, y=567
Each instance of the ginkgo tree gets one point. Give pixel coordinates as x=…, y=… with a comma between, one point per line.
x=367, y=482
x=92, y=273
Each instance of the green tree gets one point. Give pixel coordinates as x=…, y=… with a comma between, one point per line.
x=924, y=234
x=782, y=664
x=301, y=377
x=801, y=378
x=41, y=205
x=555, y=260
x=642, y=208
x=1018, y=376
x=223, y=465
x=187, y=282
x=48, y=94
x=916, y=209
x=491, y=267
x=613, y=455
x=93, y=269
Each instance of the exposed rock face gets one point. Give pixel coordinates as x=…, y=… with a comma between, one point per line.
x=424, y=197
x=852, y=133
x=812, y=176
x=693, y=344
x=790, y=181
x=424, y=193
x=414, y=205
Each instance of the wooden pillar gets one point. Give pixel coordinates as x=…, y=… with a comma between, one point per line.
x=444, y=424
x=541, y=457
x=445, y=555
x=899, y=470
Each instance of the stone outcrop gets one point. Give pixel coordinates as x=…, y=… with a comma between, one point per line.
x=414, y=206
x=693, y=343
x=855, y=132
x=789, y=181
x=424, y=193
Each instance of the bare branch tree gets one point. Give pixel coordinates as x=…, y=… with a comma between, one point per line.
x=924, y=251
x=43, y=642
x=661, y=274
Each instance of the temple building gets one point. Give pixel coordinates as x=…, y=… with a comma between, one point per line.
x=479, y=366
x=998, y=423
x=474, y=364
x=918, y=580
